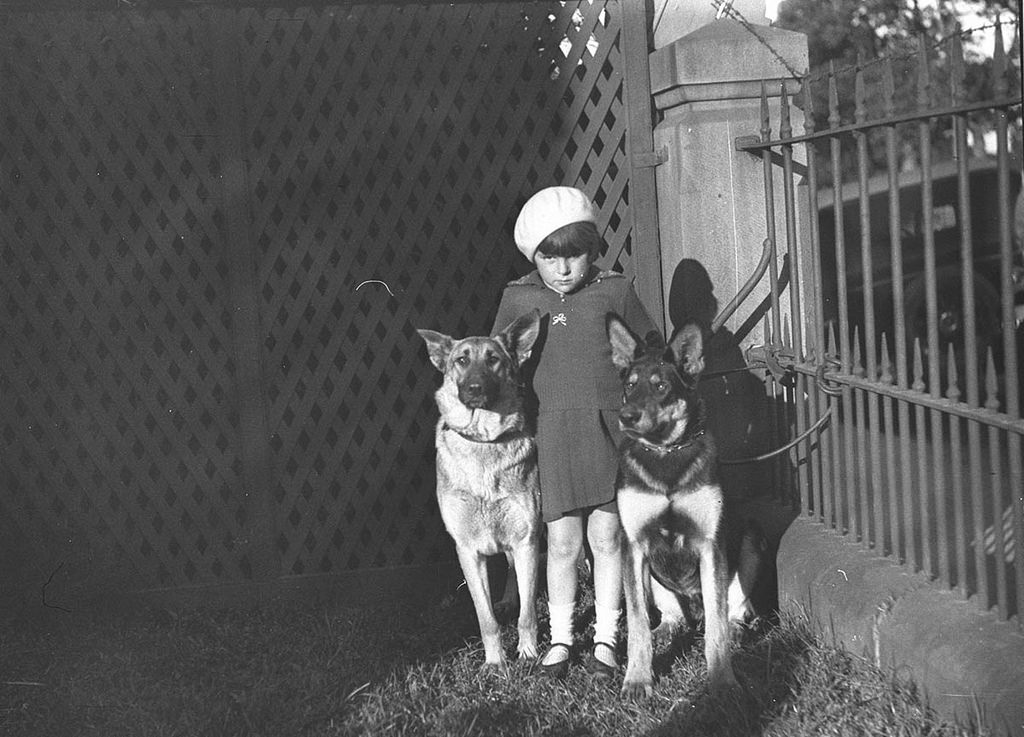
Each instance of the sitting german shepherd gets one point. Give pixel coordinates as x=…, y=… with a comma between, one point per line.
x=487, y=486
x=672, y=507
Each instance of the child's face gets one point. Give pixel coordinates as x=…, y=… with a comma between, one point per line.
x=563, y=274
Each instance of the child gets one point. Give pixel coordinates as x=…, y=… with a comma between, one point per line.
x=579, y=393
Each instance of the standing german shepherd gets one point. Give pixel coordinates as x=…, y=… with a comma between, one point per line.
x=487, y=485
x=672, y=506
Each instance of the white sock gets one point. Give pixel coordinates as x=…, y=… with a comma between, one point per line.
x=561, y=631
x=606, y=629
x=561, y=622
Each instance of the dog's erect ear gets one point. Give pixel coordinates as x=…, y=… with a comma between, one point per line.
x=688, y=347
x=625, y=344
x=520, y=335
x=439, y=346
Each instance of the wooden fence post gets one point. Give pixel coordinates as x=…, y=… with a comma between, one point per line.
x=643, y=195
x=254, y=440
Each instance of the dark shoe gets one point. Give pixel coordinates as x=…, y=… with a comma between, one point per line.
x=599, y=669
x=558, y=669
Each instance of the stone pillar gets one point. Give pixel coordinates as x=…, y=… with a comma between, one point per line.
x=711, y=198
x=711, y=202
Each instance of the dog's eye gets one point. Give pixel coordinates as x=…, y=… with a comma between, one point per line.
x=461, y=360
x=662, y=386
x=493, y=360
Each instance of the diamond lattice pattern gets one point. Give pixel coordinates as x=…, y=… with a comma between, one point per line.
x=387, y=149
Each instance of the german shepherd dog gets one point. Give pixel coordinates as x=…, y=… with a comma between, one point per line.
x=679, y=541
x=487, y=486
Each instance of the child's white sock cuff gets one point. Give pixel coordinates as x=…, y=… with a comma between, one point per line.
x=606, y=625
x=561, y=622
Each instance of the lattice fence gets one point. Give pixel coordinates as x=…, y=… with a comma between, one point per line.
x=220, y=230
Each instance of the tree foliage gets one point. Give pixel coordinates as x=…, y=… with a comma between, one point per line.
x=839, y=30
x=847, y=36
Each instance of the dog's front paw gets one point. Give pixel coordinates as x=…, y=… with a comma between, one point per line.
x=499, y=668
x=527, y=648
x=637, y=687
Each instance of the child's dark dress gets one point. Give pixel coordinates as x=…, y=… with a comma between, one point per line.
x=578, y=387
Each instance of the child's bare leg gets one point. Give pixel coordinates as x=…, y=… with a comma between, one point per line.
x=565, y=541
x=604, y=532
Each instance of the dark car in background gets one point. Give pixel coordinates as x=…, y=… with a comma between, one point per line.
x=947, y=221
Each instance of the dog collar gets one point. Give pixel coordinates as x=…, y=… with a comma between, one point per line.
x=474, y=437
x=666, y=449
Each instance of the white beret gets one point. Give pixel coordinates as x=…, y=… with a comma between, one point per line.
x=547, y=211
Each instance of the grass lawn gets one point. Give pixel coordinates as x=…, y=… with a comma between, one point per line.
x=326, y=669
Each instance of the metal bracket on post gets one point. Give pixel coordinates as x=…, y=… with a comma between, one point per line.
x=779, y=362
x=753, y=146
x=746, y=289
x=742, y=143
x=650, y=159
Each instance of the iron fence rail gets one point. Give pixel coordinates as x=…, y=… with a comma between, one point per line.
x=908, y=332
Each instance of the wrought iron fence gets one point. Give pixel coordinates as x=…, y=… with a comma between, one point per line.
x=908, y=329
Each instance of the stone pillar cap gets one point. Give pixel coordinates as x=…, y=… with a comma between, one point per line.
x=726, y=51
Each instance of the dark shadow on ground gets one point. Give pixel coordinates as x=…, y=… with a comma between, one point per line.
x=290, y=666
x=768, y=673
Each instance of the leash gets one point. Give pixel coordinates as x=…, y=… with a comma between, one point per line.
x=785, y=377
x=779, y=451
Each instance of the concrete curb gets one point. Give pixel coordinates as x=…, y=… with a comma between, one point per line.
x=961, y=658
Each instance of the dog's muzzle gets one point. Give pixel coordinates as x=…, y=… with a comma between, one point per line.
x=478, y=392
x=629, y=416
x=636, y=422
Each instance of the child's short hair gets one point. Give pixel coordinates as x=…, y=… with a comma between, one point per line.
x=574, y=239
